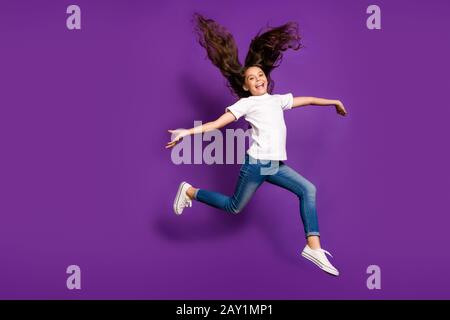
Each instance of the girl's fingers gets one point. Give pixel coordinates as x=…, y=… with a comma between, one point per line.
x=171, y=143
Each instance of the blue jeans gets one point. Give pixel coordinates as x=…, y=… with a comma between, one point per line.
x=252, y=174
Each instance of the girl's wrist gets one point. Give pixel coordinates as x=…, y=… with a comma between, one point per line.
x=333, y=103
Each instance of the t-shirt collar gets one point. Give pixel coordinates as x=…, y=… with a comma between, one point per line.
x=265, y=95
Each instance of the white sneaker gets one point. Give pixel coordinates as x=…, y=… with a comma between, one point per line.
x=318, y=257
x=181, y=199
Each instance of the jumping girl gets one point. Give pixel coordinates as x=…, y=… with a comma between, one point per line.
x=264, y=160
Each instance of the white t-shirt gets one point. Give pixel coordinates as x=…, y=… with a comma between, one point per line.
x=265, y=115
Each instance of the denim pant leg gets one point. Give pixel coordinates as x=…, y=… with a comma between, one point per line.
x=291, y=180
x=248, y=182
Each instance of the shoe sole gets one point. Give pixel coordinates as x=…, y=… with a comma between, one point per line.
x=320, y=265
x=177, y=198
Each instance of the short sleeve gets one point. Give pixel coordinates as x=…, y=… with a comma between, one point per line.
x=287, y=100
x=238, y=109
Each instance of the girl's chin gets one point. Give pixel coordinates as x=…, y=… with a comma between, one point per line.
x=259, y=92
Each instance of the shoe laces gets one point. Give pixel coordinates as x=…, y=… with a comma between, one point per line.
x=186, y=203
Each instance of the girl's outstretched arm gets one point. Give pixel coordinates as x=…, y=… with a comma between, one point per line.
x=306, y=101
x=220, y=122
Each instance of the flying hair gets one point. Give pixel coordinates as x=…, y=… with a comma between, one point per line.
x=265, y=51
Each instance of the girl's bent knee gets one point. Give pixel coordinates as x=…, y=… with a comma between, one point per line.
x=311, y=189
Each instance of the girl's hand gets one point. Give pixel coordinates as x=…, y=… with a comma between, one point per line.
x=178, y=136
x=340, y=108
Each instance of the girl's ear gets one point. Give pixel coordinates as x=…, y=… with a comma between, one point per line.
x=245, y=87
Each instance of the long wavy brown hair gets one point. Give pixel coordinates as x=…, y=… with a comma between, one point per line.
x=266, y=50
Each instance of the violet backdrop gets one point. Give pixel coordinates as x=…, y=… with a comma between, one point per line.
x=85, y=178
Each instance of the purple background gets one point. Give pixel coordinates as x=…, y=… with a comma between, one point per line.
x=85, y=178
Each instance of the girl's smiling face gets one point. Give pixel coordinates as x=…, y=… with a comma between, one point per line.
x=255, y=81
